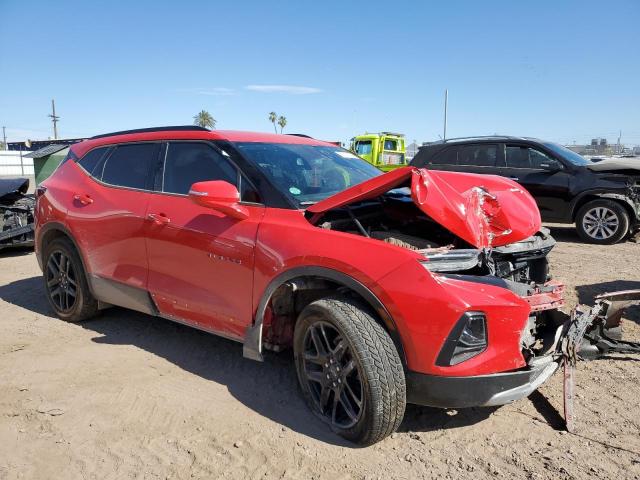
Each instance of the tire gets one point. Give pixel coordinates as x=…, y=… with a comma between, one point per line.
x=359, y=362
x=603, y=222
x=61, y=256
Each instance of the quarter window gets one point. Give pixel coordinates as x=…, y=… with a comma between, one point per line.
x=478, y=155
x=188, y=163
x=93, y=160
x=130, y=165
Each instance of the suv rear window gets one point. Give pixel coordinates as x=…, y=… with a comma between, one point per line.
x=130, y=165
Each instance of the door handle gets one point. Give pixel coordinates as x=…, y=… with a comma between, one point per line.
x=83, y=198
x=159, y=218
x=514, y=178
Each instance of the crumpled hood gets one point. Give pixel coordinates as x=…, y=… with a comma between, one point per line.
x=615, y=164
x=484, y=210
x=13, y=185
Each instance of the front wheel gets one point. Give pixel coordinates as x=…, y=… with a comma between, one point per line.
x=602, y=221
x=349, y=370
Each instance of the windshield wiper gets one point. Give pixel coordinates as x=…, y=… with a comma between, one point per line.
x=308, y=203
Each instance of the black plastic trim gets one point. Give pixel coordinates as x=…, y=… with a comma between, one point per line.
x=445, y=357
x=472, y=391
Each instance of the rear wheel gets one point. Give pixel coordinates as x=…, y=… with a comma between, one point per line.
x=65, y=282
x=602, y=221
x=349, y=370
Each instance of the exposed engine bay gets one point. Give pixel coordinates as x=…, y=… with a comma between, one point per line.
x=394, y=218
x=16, y=213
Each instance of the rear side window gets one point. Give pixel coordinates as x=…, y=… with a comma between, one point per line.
x=131, y=165
x=478, y=155
x=92, y=160
x=187, y=163
x=449, y=156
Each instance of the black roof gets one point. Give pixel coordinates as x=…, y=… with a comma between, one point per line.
x=155, y=129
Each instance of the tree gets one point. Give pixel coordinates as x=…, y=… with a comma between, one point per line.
x=273, y=117
x=282, y=121
x=204, y=119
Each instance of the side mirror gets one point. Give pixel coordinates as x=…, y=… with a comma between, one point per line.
x=218, y=195
x=551, y=166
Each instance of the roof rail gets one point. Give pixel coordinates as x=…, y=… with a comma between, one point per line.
x=299, y=135
x=154, y=129
x=477, y=137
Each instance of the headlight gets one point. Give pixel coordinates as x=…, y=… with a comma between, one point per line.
x=467, y=339
x=452, y=260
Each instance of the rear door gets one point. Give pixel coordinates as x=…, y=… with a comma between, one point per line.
x=108, y=208
x=483, y=158
x=201, y=261
x=543, y=176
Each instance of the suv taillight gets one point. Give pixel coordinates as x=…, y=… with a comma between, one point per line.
x=40, y=191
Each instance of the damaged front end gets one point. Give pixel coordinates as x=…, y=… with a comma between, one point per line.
x=483, y=230
x=16, y=213
x=592, y=332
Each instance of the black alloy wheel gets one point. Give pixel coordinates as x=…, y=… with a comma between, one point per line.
x=333, y=376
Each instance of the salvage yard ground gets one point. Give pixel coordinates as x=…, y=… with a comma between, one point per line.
x=132, y=396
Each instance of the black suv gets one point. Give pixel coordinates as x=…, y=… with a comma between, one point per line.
x=601, y=197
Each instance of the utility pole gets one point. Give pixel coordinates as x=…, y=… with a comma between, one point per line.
x=446, y=101
x=4, y=138
x=54, y=119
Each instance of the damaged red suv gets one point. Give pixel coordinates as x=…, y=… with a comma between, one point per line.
x=418, y=286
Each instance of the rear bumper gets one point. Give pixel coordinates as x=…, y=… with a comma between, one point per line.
x=475, y=391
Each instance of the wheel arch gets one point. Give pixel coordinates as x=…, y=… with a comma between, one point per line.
x=253, y=342
x=50, y=232
x=621, y=199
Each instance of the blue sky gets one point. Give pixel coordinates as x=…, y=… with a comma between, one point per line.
x=560, y=70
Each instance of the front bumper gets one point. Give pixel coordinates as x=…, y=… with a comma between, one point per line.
x=478, y=390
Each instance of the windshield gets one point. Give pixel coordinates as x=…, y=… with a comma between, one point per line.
x=308, y=173
x=567, y=154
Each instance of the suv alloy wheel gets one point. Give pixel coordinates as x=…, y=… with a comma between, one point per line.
x=602, y=221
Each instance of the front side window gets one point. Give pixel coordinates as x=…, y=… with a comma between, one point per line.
x=525, y=157
x=308, y=173
x=478, y=155
x=191, y=162
x=363, y=147
x=130, y=165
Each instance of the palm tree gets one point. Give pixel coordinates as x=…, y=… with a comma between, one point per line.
x=204, y=119
x=273, y=117
x=282, y=121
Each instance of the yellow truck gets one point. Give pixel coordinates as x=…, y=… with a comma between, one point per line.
x=384, y=150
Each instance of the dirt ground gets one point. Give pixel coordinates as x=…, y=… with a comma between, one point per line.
x=131, y=396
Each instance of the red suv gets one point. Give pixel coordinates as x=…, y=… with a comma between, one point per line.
x=411, y=286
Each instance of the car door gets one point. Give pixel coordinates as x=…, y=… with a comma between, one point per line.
x=543, y=176
x=200, y=260
x=108, y=210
